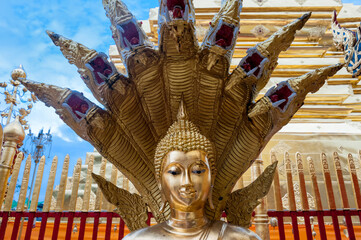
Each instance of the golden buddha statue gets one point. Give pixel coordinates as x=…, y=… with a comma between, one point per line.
x=185, y=168
x=198, y=157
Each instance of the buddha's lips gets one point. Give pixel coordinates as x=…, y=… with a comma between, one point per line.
x=187, y=193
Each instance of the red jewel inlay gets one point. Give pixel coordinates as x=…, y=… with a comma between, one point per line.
x=77, y=105
x=282, y=93
x=224, y=36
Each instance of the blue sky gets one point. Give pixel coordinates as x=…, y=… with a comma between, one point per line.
x=23, y=41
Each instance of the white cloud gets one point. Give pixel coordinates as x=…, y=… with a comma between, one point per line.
x=43, y=117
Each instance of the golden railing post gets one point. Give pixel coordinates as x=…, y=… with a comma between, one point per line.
x=50, y=186
x=355, y=183
x=341, y=182
x=113, y=179
x=13, y=135
x=301, y=177
x=88, y=184
x=62, y=186
x=276, y=185
x=261, y=216
x=37, y=186
x=290, y=190
x=316, y=190
x=24, y=185
x=328, y=181
x=87, y=158
x=75, y=187
x=99, y=195
x=14, y=178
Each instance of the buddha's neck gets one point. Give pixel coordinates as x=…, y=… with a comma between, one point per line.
x=180, y=220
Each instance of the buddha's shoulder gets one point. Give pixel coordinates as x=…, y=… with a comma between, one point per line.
x=236, y=232
x=220, y=230
x=153, y=232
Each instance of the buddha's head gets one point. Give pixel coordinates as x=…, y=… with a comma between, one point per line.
x=185, y=165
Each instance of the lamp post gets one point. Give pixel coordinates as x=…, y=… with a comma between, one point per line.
x=13, y=131
x=38, y=145
x=19, y=101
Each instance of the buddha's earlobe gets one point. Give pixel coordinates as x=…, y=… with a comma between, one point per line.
x=210, y=198
x=164, y=200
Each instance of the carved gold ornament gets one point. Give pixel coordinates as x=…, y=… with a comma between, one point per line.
x=140, y=108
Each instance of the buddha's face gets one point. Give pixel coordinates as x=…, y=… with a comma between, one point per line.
x=186, y=179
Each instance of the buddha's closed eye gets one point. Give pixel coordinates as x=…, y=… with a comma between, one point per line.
x=198, y=171
x=174, y=171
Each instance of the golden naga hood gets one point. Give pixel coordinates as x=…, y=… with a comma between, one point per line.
x=139, y=107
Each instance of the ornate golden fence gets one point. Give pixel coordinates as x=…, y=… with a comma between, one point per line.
x=297, y=206
x=301, y=211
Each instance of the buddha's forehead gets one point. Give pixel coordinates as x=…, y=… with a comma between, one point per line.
x=185, y=158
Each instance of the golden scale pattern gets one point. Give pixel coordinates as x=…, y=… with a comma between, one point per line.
x=140, y=106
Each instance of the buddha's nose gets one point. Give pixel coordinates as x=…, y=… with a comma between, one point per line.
x=187, y=188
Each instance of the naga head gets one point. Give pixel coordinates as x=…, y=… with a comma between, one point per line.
x=177, y=17
x=221, y=37
x=173, y=11
x=224, y=26
x=127, y=31
x=76, y=53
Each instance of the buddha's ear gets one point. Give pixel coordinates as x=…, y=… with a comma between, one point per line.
x=161, y=189
x=210, y=198
x=163, y=207
x=164, y=200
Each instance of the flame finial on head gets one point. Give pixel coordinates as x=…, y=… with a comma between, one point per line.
x=182, y=113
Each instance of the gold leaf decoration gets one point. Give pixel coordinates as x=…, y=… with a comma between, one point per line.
x=130, y=206
x=242, y=202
